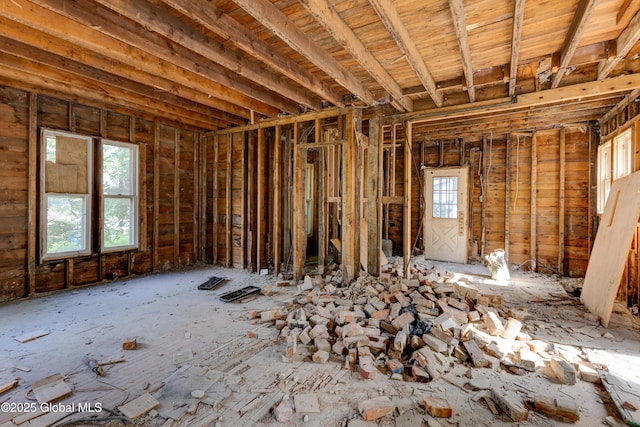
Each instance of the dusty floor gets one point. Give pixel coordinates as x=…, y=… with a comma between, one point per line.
x=189, y=340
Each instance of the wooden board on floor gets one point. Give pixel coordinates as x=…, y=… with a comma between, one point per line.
x=50, y=389
x=31, y=336
x=610, y=249
x=139, y=406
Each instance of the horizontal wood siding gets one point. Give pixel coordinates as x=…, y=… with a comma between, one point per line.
x=14, y=197
x=175, y=237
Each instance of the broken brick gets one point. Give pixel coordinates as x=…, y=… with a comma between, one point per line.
x=375, y=408
x=437, y=406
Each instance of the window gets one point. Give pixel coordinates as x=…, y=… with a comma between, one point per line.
x=604, y=174
x=119, y=195
x=66, y=194
x=445, y=197
x=622, y=150
x=66, y=186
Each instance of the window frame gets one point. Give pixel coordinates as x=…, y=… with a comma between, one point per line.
x=44, y=195
x=604, y=174
x=622, y=154
x=135, y=197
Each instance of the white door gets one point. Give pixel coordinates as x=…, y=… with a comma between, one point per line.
x=445, y=216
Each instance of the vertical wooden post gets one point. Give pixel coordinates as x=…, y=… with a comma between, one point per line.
x=142, y=188
x=406, y=232
x=250, y=214
x=216, y=194
x=534, y=183
x=261, y=204
x=196, y=196
x=228, y=201
x=277, y=200
x=30, y=286
x=323, y=241
x=244, y=138
x=374, y=207
x=176, y=198
x=156, y=192
x=287, y=173
x=561, y=207
x=483, y=183
x=299, y=226
x=349, y=233
x=507, y=196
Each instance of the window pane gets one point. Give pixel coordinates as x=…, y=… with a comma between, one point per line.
x=116, y=176
x=445, y=197
x=65, y=224
x=118, y=230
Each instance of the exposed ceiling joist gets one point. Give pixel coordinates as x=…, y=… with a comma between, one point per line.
x=391, y=19
x=459, y=22
x=327, y=16
x=572, y=39
x=161, y=22
x=624, y=43
x=211, y=18
x=92, y=29
x=64, y=49
x=516, y=37
x=277, y=22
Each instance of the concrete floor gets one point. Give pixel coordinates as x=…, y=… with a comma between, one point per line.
x=189, y=340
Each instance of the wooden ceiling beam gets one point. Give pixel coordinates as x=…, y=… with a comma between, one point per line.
x=277, y=22
x=131, y=90
x=391, y=19
x=459, y=22
x=572, y=39
x=516, y=38
x=161, y=22
x=60, y=84
x=211, y=18
x=623, y=44
x=62, y=48
x=333, y=23
x=94, y=28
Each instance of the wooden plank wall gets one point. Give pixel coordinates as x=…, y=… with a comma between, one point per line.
x=503, y=202
x=170, y=183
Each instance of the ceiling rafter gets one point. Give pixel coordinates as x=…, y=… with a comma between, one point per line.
x=624, y=43
x=459, y=22
x=572, y=39
x=211, y=18
x=329, y=18
x=64, y=49
x=391, y=19
x=516, y=37
x=163, y=23
x=277, y=22
x=203, y=77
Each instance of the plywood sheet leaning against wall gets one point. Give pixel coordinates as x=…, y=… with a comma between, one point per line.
x=611, y=246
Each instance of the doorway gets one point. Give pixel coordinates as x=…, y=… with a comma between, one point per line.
x=445, y=214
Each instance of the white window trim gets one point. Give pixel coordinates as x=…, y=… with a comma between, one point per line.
x=135, y=223
x=603, y=174
x=44, y=255
x=622, y=154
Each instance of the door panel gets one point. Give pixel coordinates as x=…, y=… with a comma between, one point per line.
x=445, y=215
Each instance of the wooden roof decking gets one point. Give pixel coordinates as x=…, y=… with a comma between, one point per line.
x=218, y=64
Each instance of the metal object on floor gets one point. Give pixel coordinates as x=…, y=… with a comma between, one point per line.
x=239, y=294
x=212, y=283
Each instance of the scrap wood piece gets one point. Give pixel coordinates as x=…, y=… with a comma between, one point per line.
x=139, y=406
x=31, y=336
x=611, y=246
x=28, y=416
x=8, y=386
x=50, y=389
x=619, y=396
